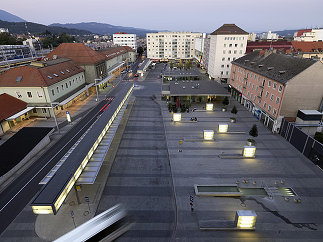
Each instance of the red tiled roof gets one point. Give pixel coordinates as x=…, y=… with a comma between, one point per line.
x=10, y=106
x=32, y=76
x=227, y=29
x=302, y=31
x=78, y=52
x=113, y=52
x=308, y=46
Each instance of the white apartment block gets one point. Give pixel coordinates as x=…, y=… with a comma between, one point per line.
x=309, y=35
x=199, y=47
x=227, y=43
x=269, y=36
x=171, y=45
x=123, y=39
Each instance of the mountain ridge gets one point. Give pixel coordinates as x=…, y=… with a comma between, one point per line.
x=9, y=17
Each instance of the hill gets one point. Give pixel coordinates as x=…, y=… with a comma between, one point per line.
x=286, y=33
x=5, y=16
x=101, y=28
x=20, y=28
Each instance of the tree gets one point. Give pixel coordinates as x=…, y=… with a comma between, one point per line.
x=253, y=131
x=188, y=64
x=140, y=50
x=8, y=39
x=180, y=64
x=234, y=110
x=225, y=101
x=171, y=65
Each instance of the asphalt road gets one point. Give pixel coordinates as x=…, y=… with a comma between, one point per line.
x=19, y=193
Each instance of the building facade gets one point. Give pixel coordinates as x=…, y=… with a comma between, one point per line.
x=124, y=39
x=309, y=35
x=275, y=86
x=269, y=36
x=227, y=43
x=199, y=47
x=171, y=45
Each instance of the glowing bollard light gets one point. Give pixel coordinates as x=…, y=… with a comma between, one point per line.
x=249, y=151
x=246, y=219
x=209, y=107
x=177, y=117
x=223, y=128
x=208, y=134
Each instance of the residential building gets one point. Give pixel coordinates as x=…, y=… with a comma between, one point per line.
x=252, y=37
x=206, y=53
x=280, y=46
x=124, y=39
x=269, y=36
x=171, y=45
x=309, y=49
x=4, y=30
x=275, y=86
x=90, y=60
x=309, y=35
x=41, y=85
x=11, y=106
x=12, y=52
x=227, y=43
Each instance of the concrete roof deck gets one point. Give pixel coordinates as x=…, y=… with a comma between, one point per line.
x=197, y=88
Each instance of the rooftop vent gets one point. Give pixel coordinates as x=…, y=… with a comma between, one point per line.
x=270, y=68
x=67, y=70
x=260, y=66
x=252, y=62
x=50, y=77
x=183, y=87
x=19, y=78
x=62, y=72
x=282, y=72
x=55, y=75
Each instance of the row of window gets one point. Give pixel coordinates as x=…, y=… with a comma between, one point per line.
x=231, y=45
x=229, y=58
x=233, y=38
x=29, y=94
x=67, y=84
x=232, y=52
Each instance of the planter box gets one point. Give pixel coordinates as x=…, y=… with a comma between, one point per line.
x=232, y=120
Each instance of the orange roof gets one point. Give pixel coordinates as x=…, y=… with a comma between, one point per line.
x=10, y=106
x=302, y=31
x=113, y=52
x=32, y=76
x=78, y=52
x=309, y=46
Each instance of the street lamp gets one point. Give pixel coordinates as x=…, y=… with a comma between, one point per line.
x=51, y=105
x=96, y=88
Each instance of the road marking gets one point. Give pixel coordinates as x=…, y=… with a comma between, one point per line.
x=46, y=164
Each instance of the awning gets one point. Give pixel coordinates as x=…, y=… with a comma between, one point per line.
x=67, y=100
x=17, y=115
x=115, y=67
x=105, y=80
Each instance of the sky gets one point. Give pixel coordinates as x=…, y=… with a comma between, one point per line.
x=174, y=15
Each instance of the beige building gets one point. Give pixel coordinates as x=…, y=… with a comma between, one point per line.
x=171, y=45
x=57, y=83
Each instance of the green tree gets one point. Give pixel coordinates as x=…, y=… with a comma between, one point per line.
x=225, y=101
x=254, y=131
x=188, y=64
x=180, y=64
x=171, y=65
x=140, y=50
x=234, y=110
x=8, y=39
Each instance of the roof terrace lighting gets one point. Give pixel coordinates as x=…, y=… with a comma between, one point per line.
x=208, y=134
x=209, y=107
x=246, y=219
x=223, y=128
x=177, y=117
x=249, y=151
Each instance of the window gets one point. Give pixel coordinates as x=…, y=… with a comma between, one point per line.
x=228, y=58
x=34, y=110
x=253, y=86
x=19, y=95
x=267, y=93
x=62, y=87
x=70, y=83
x=269, y=108
x=265, y=104
x=274, y=85
x=223, y=59
x=44, y=110
x=29, y=94
x=277, y=100
x=240, y=52
x=235, y=52
x=225, y=45
x=223, y=51
x=66, y=85
x=248, y=94
x=254, y=99
x=229, y=51
x=57, y=89
x=275, y=111
x=272, y=97
x=251, y=95
x=228, y=66
x=40, y=94
x=235, y=45
x=241, y=45
x=230, y=45
x=227, y=73
x=53, y=92
x=221, y=72
x=269, y=83
x=280, y=88
x=222, y=66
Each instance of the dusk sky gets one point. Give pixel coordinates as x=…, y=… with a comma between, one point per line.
x=174, y=15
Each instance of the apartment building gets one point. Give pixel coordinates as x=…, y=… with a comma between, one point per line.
x=199, y=47
x=171, y=45
x=227, y=44
x=274, y=86
x=41, y=85
x=124, y=39
x=309, y=35
x=309, y=49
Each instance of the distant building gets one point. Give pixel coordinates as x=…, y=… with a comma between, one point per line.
x=205, y=54
x=252, y=37
x=123, y=39
x=309, y=49
x=274, y=86
x=4, y=30
x=33, y=44
x=199, y=47
x=227, y=43
x=59, y=82
x=171, y=45
x=12, y=52
x=269, y=36
x=309, y=35
x=280, y=46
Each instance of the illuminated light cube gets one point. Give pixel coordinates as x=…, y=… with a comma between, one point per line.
x=246, y=219
x=208, y=134
x=177, y=117
x=209, y=107
x=223, y=128
x=249, y=151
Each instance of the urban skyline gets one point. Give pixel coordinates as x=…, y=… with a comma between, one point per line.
x=208, y=14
